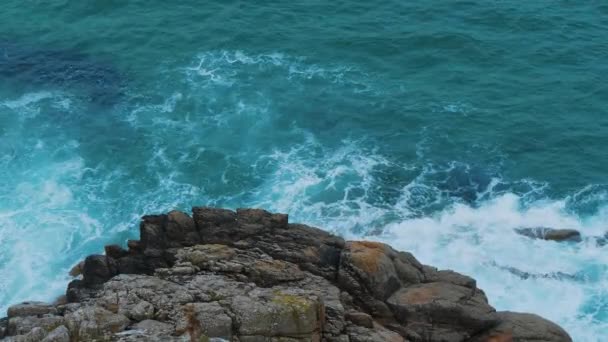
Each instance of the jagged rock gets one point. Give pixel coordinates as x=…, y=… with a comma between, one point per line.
x=115, y=251
x=372, y=271
x=252, y=276
x=551, y=234
x=181, y=229
x=98, y=269
x=77, y=269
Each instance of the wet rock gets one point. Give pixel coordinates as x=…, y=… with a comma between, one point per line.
x=77, y=269
x=181, y=229
x=115, y=251
x=550, y=275
x=152, y=229
x=551, y=234
x=525, y=328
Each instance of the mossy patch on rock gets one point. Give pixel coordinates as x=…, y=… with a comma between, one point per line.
x=298, y=303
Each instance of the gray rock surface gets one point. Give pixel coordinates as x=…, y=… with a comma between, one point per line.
x=250, y=276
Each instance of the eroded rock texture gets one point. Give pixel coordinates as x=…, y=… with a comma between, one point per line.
x=251, y=276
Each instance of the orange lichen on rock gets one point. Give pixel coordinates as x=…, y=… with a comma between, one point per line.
x=504, y=337
x=420, y=295
x=367, y=255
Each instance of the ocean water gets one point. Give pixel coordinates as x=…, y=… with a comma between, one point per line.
x=436, y=127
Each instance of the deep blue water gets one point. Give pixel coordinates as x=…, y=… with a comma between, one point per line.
x=437, y=127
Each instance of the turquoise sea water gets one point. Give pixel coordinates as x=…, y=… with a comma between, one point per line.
x=437, y=127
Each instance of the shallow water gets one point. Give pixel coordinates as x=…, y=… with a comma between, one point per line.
x=435, y=127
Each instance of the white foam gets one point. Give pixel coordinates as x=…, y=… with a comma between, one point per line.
x=476, y=240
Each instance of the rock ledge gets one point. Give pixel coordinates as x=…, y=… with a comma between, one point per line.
x=251, y=276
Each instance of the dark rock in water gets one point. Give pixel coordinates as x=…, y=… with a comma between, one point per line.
x=551, y=234
x=60, y=69
x=464, y=182
x=250, y=275
x=549, y=275
x=602, y=241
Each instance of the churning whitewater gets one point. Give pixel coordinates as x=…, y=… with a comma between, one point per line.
x=438, y=129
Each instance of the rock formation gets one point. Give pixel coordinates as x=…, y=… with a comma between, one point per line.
x=551, y=234
x=251, y=276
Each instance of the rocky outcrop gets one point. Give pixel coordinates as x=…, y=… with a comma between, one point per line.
x=251, y=276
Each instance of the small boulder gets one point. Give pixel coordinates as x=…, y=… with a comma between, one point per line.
x=551, y=234
x=360, y=318
x=115, y=251
x=98, y=269
x=443, y=311
x=25, y=324
x=181, y=230
x=142, y=311
x=77, y=269
x=31, y=309
x=152, y=231
x=523, y=327
x=373, y=271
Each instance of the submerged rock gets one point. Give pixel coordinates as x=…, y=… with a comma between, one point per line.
x=551, y=234
x=251, y=276
x=62, y=69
